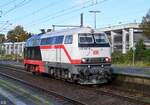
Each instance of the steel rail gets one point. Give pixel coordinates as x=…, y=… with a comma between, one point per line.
x=74, y=102
x=98, y=91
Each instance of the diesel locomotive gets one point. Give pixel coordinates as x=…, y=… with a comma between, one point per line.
x=79, y=55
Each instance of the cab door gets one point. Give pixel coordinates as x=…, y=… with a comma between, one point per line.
x=67, y=51
x=58, y=48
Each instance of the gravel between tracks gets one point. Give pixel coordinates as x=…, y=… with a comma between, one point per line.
x=80, y=93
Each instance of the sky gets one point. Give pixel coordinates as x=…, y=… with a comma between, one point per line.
x=34, y=15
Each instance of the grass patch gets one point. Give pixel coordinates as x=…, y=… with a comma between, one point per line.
x=147, y=72
x=147, y=100
x=12, y=57
x=20, y=91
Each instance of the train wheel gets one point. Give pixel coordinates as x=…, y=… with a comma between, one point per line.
x=33, y=72
x=59, y=73
x=70, y=77
x=27, y=68
x=56, y=74
x=63, y=74
x=66, y=74
x=51, y=71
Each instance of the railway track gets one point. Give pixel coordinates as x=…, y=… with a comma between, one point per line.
x=104, y=90
x=128, y=97
x=74, y=102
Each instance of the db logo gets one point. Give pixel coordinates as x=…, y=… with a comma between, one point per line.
x=95, y=52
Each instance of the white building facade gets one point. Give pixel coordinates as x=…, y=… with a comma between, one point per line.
x=123, y=37
x=13, y=48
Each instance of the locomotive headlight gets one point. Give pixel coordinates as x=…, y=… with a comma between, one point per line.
x=83, y=60
x=107, y=59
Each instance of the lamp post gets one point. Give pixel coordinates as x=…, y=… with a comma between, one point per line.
x=95, y=12
x=133, y=55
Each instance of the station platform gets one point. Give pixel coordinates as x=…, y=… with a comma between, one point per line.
x=131, y=71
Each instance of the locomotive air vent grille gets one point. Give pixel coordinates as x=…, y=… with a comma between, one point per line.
x=95, y=60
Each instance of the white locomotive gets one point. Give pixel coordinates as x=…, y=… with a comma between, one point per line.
x=77, y=54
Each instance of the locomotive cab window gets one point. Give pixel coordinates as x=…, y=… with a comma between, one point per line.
x=86, y=39
x=93, y=40
x=68, y=39
x=100, y=38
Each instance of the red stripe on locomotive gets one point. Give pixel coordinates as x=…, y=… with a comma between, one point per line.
x=40, y=64
x=72, y=61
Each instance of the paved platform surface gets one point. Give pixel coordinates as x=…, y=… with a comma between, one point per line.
x=133, y=71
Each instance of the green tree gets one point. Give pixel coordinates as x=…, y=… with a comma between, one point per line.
x=2, y=38
x=140, y=45
x=17, y=34
x=145, y=25
x=140, y=50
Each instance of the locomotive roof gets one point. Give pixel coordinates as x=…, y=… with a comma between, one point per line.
x=68, y=31
x=35, y=40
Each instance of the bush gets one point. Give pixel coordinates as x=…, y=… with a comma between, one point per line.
x=12, y=57
x=122, y=58
x=142, y=55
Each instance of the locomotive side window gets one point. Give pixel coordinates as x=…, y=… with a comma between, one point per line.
x=33, y=53
x=49, y=40
x=59, y=40
x=25, y=52
x=52, y=40
x=68, y=39
x=43, y=41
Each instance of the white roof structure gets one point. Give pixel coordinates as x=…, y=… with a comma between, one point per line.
x=119, y=27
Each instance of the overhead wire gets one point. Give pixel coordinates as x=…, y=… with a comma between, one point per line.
x=3, y=21
x=58, y=12
x=18, y=5
x=63, y=12
x=68, y=18
x=37, y=10
x=7, y=3
x=5, y=26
